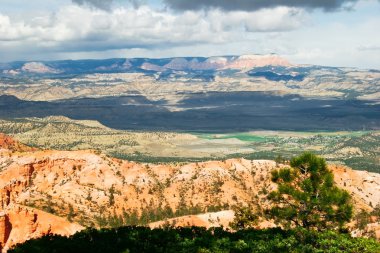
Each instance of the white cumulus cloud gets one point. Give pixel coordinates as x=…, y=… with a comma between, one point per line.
x=77, y=28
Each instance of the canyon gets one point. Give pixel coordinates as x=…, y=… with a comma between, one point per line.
x=175, y=141
x=61, y=192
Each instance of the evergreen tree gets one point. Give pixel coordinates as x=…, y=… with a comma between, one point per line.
x=71, y=213
x=308, y=197
x=111, y=199
x=244, y=218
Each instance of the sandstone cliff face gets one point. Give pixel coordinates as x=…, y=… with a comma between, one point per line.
x=10, y=144
x=20, y=223
x=363, y=186
x=37, y=67
x=246, y=62
x=5, y=229
x=87, y=187
x=84, y=180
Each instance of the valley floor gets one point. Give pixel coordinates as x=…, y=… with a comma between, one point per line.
x=357, y=149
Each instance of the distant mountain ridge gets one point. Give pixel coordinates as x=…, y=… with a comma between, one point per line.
x=214, y=94
x=120, y=65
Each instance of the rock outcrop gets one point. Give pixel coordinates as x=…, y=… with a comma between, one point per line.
x=96, y=190
x=38, y=67
x=363, y=186
x=247, y=62
x=20, y=223
x=5, y=229
x=9, y=143
x=244, y=62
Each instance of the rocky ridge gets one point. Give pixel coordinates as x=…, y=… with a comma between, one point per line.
x=244, y=62
x=9, y=143
x=20, y=223
x=48, y=81
x=96, y=190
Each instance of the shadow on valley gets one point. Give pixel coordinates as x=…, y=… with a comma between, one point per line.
x=208, y=112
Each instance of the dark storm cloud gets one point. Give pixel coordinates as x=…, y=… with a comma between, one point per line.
x=251, y=5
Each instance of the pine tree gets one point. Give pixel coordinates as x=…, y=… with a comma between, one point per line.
x=245, y=218
x=71, y=213
x=111, y=199
x=308, y=197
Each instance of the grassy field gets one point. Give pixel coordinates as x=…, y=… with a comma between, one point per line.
x=240, y=136
x=359, y=149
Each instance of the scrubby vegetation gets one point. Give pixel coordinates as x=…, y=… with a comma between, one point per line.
x=153, y=214
x=195, y=239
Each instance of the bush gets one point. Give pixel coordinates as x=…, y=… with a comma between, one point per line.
x=196, y=239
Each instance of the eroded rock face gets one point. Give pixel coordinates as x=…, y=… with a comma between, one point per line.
x=37, y=67
x=20, y=223
x=10, y=144
x=87, y=186
x=245, y=62
x=84, y=179
x=5, y=229
x=364, y=186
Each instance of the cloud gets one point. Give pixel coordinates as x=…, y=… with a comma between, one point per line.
x=75, y=28
x=10, y=31
x=369, y=48
x=279, y=19
x=107, y=4
x=120, y=30
x=101, y=4
x=252, y=5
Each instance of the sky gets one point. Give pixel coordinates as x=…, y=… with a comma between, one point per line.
x=343, y=33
